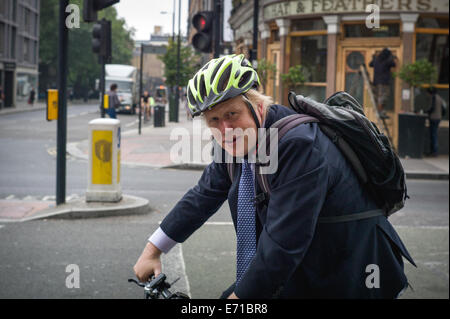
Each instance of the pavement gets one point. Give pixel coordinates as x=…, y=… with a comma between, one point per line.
x=176, y=145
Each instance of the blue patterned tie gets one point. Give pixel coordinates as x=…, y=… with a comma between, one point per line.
x=246, y=232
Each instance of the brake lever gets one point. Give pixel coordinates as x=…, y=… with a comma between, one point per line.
x=174, y=281
x=140, y=284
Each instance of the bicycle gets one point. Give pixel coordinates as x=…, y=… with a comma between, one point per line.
x=158, y=287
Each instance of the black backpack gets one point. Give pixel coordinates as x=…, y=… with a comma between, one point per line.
x=368, y=151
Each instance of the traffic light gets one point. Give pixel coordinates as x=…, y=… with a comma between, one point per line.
x=90, y=8
x=101, y=39
x=203, y=39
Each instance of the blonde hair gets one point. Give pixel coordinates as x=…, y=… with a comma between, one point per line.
x=255, y=98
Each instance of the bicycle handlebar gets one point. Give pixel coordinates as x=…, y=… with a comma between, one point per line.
x=157, y=287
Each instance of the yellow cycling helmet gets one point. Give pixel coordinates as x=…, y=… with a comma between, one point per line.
x=219, y=80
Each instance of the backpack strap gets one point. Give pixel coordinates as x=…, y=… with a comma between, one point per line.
x=283, y=125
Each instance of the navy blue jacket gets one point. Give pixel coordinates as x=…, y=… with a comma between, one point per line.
x=297, y=257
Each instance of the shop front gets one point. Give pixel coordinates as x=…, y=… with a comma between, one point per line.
x=334, y=40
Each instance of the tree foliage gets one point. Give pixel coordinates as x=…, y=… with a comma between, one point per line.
x=83, y=66
x=418, y=73
x=266, y=71
x=189, y=64
x=296, y=76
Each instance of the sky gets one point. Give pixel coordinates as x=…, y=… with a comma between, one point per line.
x=143, y=15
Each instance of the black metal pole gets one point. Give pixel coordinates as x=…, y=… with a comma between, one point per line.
x=177, y=93
x=217, y=27
x=61, y=134
x=140, y=86
x=173, y=21
x=254, y=53
x=102, y=86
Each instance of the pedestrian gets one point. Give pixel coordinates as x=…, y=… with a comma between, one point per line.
x=151, y=105
x=31, y=97
x=282, y=252
x=437, y=109
x=113, y=101
x=382, y=64
x=145, y=105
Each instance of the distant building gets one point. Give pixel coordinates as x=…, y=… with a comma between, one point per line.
x=153, y=71
x=19, y=49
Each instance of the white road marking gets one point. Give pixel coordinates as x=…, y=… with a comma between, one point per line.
x=131, y=124
x=1, y=226
x=183, y=267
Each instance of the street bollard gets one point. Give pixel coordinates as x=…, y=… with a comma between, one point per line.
x=104, y=161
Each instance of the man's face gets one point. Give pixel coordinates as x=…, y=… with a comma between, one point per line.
x=232, y=126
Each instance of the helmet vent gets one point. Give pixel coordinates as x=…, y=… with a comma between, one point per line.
x=191, y=98
x=215, y=70
x=224, y=79
x=244, y=79
x=245, y=62
x=202, y=87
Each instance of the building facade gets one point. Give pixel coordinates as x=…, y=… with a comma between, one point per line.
x=19, y=49
x=331, y=39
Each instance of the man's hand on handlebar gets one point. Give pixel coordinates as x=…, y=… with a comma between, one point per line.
x=149, y=263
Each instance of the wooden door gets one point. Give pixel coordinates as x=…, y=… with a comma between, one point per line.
x=274, y=56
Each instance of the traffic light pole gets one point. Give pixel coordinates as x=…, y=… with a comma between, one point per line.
x=217, y=27
x=102, y=86
x=254, y=52
x=140, y=86
x=61, y=134
x=177, y=93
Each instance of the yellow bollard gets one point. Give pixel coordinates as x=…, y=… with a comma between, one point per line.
x=104, y=161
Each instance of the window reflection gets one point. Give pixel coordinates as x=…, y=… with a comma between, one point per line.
x=434, y=48
x=311, y=52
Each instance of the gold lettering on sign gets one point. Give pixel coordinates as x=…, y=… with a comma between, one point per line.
x=300, y=7
x=327, y=5
x=315, y=3
x=404, y=4
x=423, y=5
x=386, y=5
x=340, y=4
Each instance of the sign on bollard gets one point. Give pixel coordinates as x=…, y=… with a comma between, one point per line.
x=52, y=104
x=104, y=161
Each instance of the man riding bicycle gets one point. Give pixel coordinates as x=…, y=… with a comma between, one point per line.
x=282, y=249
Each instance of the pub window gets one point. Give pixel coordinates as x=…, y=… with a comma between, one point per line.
x=310, y=51
x=360, y=30
x=308, y=24
x=432, y=22
x=274, y=35
x=432, y=37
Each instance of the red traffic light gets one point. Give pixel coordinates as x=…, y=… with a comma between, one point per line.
x=202, y=21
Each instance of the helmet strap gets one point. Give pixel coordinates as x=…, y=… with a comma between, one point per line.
x=252, y=110
x=258, y=124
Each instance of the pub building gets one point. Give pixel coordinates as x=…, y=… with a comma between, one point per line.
x=332, y=38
